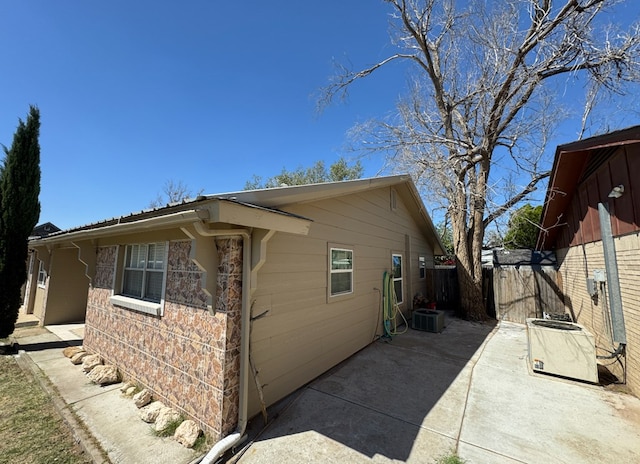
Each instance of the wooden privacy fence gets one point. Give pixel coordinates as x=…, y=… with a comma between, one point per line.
x=511, y=293
x=445, y=289
x=526, y=291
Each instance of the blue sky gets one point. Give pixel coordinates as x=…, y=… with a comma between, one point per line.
x=133, y=94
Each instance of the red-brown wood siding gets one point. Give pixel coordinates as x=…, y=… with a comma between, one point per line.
x=581, y=218
x=574, y=232
x=586, y=229
x=633, y=165
x=621, y=208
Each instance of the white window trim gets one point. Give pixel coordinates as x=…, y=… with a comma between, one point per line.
x=399, y=298
x=147, y=307
x=41, y=271
x=330, y=295
x=137, y=304
x=422, y=267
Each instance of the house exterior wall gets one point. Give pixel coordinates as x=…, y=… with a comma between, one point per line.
x=188, y=357
x=67, y=288
x=304, y=332
x=576, y=265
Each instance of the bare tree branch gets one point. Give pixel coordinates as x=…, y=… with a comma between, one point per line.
x=474, y=127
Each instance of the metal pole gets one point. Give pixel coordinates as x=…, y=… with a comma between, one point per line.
x=613, y=281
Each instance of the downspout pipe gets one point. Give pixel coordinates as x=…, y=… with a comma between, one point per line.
x=234, y=438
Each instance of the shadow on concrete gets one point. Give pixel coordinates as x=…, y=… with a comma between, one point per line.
x=40, y=346
x=380, y=399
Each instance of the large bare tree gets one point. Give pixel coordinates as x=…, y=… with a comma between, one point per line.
x=484, y=96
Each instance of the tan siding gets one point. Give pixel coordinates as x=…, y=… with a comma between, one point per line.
x=67, y=290
x=39, y=301
x=578, y=263
x=303, y=334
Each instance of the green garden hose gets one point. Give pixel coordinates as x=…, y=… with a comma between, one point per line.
x=390, y=309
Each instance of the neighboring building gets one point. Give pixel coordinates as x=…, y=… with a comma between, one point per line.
x=521, y=257
x=595, y=183
x=43, y=230
x=181, y=297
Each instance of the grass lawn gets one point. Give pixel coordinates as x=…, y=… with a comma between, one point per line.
x=31, y=430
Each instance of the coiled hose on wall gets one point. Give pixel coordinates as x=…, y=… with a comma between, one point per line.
x=390, y=308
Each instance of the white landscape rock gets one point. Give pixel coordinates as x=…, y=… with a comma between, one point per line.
x=126, y=386
x=70, y=351
x=150, y=412
x=78, y=357
x=187, y=433
x=104, y=375
x=142, y=398
x=91, y=361
x=165, y=417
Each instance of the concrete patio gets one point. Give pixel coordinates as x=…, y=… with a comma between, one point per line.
x=426, y=395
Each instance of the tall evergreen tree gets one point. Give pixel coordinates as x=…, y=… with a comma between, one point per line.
x=19, y=213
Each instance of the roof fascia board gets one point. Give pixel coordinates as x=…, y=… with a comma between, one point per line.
x=616, y=138
x=297, y=194
x=229, y=212
x=164, y=221
x=579, y=151
x=439, y=248
x=216, y=211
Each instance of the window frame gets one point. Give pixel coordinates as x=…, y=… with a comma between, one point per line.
x=395, y=279
x=42, y=275
x=331, y=272
x=142, y=303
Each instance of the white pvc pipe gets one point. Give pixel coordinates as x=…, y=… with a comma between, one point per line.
x=220, y=448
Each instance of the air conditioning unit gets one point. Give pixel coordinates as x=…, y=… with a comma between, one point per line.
x=427, y=320
x=562, y=348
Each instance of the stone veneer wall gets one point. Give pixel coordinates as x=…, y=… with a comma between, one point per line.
x=188, y=357
x=576, y=264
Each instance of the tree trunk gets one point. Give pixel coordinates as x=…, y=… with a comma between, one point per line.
x=469, y=269
x=471, y=299
x=467, y=242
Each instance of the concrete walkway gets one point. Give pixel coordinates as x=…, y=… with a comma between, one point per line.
x=413, y=399
x=110, y=418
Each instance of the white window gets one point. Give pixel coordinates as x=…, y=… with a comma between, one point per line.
x=42, y=274
x=144, y=268
x=422, y=266
x=340, y=271
x=396, y=266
